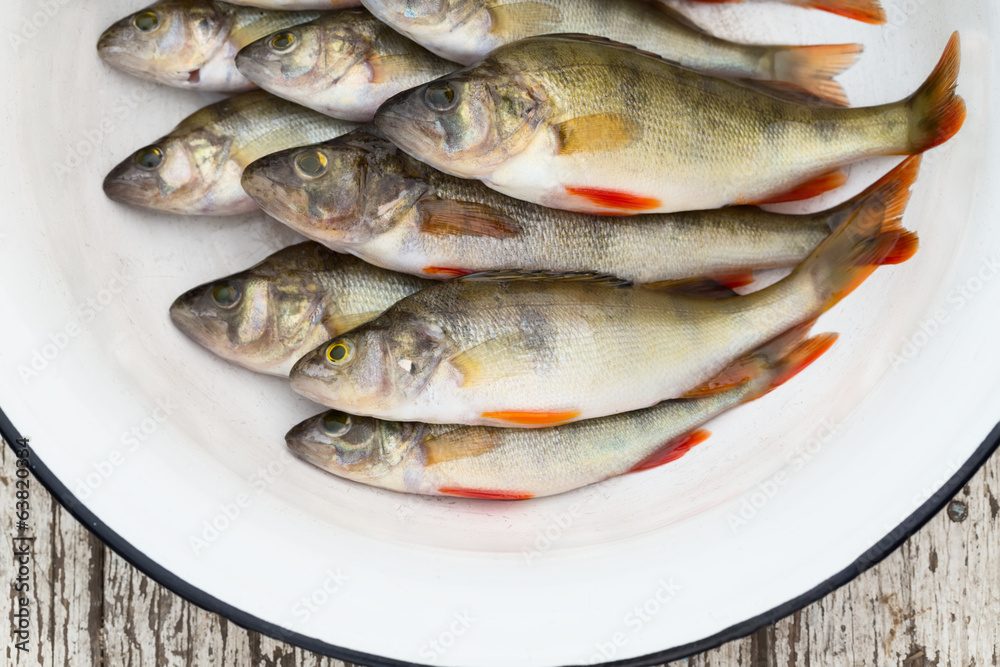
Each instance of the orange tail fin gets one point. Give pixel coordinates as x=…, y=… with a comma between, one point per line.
x=937, y=112
x=812, y=68
x=872, y=237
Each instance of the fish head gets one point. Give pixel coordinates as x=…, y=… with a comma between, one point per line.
x=375, y=368
x=181, y=174
x=168, y=41
x=466, y=123
x=358, y=448
x=290, y=62
x=262, y=319
x=341, y=193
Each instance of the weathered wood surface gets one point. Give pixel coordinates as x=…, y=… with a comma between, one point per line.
x=936, y=601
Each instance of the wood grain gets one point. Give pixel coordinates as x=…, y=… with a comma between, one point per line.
x=935, y=602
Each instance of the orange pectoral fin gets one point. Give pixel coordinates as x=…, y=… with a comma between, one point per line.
x=672, y=450
x=446, y=272
x=522, y=418
x=615, y=200
x=811, y=188
x=482, y=494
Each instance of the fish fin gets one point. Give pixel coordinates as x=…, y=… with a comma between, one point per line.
x=892, y=188
x=811, y=188
x=936, y=112
x=707, y=288
x=873, y=236
x=615, y=199
x=532, y=418
x=597, y=132
x=484, y=494
x=494, y=359
x=788, y=93
x=445, y=272
x=460, y=443
x=442, y=216
x=605, y=41
x=799, y=358
x=866, y=11
x=521, y=19
x=392, y=67
x=736, y=374
x=339, y=323
x=749, y=366
x=812, y=68
x=535, y=276
x=672, y=450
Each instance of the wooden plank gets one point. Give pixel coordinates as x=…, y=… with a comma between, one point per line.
x=935, y=602
x=65, y=580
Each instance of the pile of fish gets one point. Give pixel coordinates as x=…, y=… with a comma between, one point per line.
x=534, y=225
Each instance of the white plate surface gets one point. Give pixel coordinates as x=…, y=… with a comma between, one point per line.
x=183, y=456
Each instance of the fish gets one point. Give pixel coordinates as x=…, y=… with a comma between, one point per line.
x=584, y=125
x=516, y=464
x=266, y=317
x=344, y=64
x=866, y=11
x=376, y=202
x=191, y=43
x=297, y=5
x=195, y=169
x=526, y=350
x=466, y=31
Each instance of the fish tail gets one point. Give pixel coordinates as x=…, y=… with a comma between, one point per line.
x=872, y=237
x=894, y=188
x=812, y=68
x=866, y=11
x=936, y=112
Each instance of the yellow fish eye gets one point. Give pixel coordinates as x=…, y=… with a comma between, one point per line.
x=282, y=42
x=149, y=158
x=336, y=424
x=311, y=164
x=226, y=295
x=340, y=353
x=146, y=21
x=440, y=96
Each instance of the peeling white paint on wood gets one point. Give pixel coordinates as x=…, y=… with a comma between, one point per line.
x=934, y=602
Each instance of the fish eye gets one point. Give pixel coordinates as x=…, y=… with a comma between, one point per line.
x=282, y=42
x=226, y=295
x=336, y=424
x=149, y=158
x=440, y=96
x=311, y=164
x=146, y=21
x=340, y=353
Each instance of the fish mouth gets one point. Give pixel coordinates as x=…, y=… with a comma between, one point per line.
x=206, y=331
x=302, y=442
x=287, y=203
x=307, y=379
x=259, y=65
x=121, y=186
